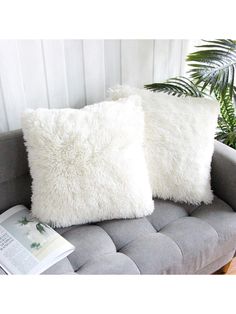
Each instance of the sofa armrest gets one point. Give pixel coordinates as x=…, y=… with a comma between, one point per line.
x=223, y=173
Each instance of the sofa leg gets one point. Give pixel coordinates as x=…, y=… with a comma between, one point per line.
x=227, y=269
x=230, y=268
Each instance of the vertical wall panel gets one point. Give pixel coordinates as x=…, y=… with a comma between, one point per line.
x=161, y=60
x=3, y=117
x=32, y=68
x=175, y=58
x=56, y=73
x=137, y=62
x=188, y=47
x=184, y=54
x=12, y=82
x=169, y=59
x=94, y=69
x=112, y=52
x=75, y=72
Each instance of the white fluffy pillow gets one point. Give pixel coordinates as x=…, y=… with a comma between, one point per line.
x=88, y=165
x=179, y=143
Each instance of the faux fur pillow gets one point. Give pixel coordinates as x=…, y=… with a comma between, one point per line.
x=179, y=143
x=88, y=165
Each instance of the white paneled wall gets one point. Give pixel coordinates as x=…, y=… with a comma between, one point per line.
x=73, y=73
x=137, y=62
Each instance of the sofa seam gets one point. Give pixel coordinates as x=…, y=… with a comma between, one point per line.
x=118, y=250
x=208, y=225
x=178, y=247
x=159, y=230
x=131, y=261
x=105, y=254
x=141, y=236
x=172, y=240
x=95, y=256
x=162, y=235
x=96, y=224
x=199, y=206
x=218, y=237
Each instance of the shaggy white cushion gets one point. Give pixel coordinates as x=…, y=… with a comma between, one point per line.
x=88, y=165
x=179, y=143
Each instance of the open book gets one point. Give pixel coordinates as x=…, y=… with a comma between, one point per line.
x=28, y=246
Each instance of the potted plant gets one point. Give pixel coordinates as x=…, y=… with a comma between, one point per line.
x=211, y=74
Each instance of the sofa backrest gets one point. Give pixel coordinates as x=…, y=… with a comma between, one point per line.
x=15, y=180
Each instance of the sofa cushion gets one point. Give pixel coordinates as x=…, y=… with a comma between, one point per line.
x=125, y=231
x=90, y=241
x=220, y=217
x=155, y=253
x=196, y=239
x=62, y=267
x=113, y=263
x=175, y=239
x=167, y=212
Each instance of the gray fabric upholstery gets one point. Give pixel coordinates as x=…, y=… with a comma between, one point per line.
x=15, y=191
x=125, y=231
x=113, y=263
x=90, y=241
x=155, y=253
x=175, y=239
x=15, y=181
x=216, y=265
x=223, y=174
x=219, y=216
x=186, y=241
x=196, y=240
x=63, y=267
x=168, y=212
x=13, y=157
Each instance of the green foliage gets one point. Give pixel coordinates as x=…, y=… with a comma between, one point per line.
x=214, y=65
x=40, y=227
x=227, y=120
x=212, y=72
x=35, y=245
x=178, y=86
x=24, y=221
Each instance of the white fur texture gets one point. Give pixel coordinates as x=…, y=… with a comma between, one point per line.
x=179, y=143
x=88, y=165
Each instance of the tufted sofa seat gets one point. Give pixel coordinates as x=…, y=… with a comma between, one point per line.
x=175, y=239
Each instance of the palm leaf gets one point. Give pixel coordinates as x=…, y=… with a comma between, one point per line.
x=178, y=86
x=24, y=221
x=227, y=120
x=227, y=109
x=40, y=227
x=214, y=66
x=212, y=72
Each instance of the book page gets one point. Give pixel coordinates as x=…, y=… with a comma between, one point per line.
x=27, y=245
x=13, y=255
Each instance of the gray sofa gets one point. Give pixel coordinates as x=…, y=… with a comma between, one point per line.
x=175, y=239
